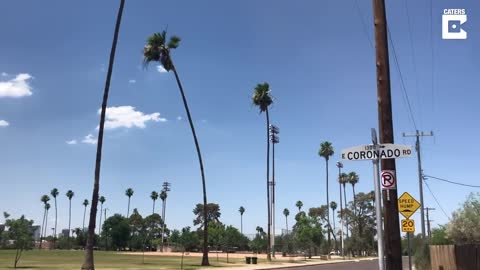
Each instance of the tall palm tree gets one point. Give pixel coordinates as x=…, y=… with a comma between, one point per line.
x=326, y=151
x=129, y=194
x=54, y=192
x=286, y=213
x=262, y=99
x=88, y=262
x=154, y=197
x=353, y=179
x=163, y=197
x=299, y=205
x=85, y=204
x=343, y=180
x=158, y=49
x=241, y=210
x=69, y=195
x=45, y=200
x=101, y=200
x=333, y=205
x=47, y=207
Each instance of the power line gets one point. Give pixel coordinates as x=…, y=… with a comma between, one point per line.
x=410, y=31
x=431, y=192
x=452, y=182
x=405, y=96
x=401, y=79
x=365, y=31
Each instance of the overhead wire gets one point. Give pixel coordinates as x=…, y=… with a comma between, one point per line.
x=451, y=182
x=435, y=198
x=405, y=94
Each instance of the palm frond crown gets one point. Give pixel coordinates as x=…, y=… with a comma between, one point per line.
x=326, y=150
x=262, y=97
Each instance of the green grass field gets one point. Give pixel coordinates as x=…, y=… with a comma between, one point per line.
x=66, y=260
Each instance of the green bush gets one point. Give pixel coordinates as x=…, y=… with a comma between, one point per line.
x=422, y=257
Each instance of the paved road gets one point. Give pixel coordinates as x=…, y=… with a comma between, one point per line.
x=360, y=265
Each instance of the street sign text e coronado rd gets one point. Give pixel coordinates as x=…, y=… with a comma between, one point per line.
x=381, y=151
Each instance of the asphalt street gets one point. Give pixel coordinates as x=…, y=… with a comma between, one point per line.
x=360, y=265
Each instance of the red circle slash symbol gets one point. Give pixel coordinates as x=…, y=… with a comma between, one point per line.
x=388, y=179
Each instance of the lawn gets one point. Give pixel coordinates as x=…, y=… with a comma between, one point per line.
x=66, y=260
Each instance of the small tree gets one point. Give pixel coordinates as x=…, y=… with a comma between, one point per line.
x=21, y=232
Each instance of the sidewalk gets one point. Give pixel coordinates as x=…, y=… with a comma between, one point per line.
x=287, y=264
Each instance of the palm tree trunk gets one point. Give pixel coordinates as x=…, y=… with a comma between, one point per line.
x=100, y=223
x=328, y=211
x=286, y=223
x=333, y=216
x=55, y=231
x=197, y=146
x=69, y=220
x=42, y=228
x=269, y=258
x=241, y=224
x=341, y=213
x=153, y=211
x=84, y=212
x=354, y=202
x=345, y=199
x=88, y=262
x=163, y=223
x=128, y=208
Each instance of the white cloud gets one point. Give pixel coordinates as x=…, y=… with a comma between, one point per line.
x=72, y=142
x=132, y=81
x=161, y=69
x=128, y=117
x=16, y=87
x=89, y=139
x=4, y=74
x=4, y=123
x=179, y=118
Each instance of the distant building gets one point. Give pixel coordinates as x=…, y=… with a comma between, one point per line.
x=65, y=232
x=36, y=232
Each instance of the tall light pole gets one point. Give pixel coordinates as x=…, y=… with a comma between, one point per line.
x=274, y=139
x=340, y=166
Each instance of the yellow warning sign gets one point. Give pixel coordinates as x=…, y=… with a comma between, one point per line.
x=408, y=225
x=407, y=205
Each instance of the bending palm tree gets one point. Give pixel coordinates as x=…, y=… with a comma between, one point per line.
x=299, y=205
x=353, y=180
x=101, y=200
x=129, y=194
x=85, y=204
x=45, y=200
x=54, y=194
x=241, y=210
x=158, y=50
x=154, y=197
x=88, y=262
x=326, y=151
x=286, y=213
x=263, y=99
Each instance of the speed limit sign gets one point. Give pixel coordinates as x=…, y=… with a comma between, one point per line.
x=408, y=225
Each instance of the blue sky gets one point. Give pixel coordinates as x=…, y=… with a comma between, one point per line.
x=317, y=58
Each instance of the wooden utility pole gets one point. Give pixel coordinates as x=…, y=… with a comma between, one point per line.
x=420, y=174
x=393, y=254
x=429, y=233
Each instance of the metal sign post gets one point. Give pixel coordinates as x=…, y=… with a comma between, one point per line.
x=378, y=205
